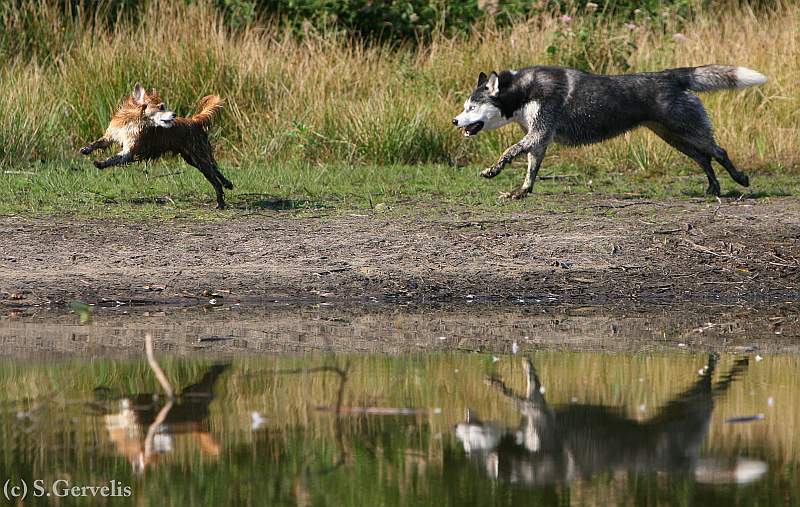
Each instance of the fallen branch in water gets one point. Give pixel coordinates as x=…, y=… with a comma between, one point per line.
x=380, y=410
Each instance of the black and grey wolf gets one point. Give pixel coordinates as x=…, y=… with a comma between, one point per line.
x=147, y=129
x=572, y=107
x=561, y=444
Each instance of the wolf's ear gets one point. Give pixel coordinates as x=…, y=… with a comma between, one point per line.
x=481, y=79
x=138, y=94
x=493, y=84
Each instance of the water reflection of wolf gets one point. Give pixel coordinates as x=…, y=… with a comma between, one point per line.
x=574, y=441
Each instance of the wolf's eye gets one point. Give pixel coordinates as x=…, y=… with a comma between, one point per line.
x=471, y=108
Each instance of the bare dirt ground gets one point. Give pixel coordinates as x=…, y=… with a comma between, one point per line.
x=560, y=250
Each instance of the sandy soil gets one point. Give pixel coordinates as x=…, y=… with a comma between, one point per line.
x=592, y=251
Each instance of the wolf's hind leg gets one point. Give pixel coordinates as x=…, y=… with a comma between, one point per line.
x=686, y=145
x=100, y=144
x=721, y=156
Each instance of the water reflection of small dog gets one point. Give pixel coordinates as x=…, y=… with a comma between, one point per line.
x=143, y=429
x=577, y=441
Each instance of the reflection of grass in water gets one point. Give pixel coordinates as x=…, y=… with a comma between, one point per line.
x=385, y=455
x=452, y=382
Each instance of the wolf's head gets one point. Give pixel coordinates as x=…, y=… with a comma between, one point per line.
x=148, y=108
x=482, y=108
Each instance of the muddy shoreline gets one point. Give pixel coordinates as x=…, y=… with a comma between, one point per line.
x=490, y=328
x=583, y=274
x=561, y=250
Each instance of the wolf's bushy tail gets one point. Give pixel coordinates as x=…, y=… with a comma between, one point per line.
x=718, y=77
x=209, y=105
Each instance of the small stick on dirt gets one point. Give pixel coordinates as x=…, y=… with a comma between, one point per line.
x=624, y=205
x=557, y=176
x=702, y=249
x=159, y=373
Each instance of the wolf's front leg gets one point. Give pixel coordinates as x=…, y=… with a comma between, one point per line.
x=534, y=391
x=121, y=158
x=535, y=157
x=100, y=144
x=510, y=154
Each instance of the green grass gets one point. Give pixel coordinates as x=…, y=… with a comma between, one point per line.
x=327, y=122
x=171, y=189
x=326, y=98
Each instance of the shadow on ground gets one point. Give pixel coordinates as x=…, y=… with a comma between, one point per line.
x=269, y=202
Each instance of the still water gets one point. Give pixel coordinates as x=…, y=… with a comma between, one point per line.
x=444, y=428
x=445, y=407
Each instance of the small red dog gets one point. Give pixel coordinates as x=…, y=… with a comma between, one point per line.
x=146, y=129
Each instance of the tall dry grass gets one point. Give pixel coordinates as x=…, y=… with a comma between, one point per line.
x=326, y=98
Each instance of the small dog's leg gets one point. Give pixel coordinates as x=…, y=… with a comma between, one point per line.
x=121, y=158
x=100, y=144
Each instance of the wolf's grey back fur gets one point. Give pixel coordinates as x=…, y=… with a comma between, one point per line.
x=573, y=107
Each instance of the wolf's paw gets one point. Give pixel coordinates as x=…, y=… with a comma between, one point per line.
x=713, y=189
x=742, y=179
x=519, y=193
x=86, y=150
x=489, y=172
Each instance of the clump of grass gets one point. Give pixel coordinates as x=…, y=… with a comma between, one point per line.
x=331, y=99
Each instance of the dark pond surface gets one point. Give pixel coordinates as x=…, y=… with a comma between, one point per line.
x=452, y=416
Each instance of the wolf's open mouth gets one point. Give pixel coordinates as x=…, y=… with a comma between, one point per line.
x=472, y=128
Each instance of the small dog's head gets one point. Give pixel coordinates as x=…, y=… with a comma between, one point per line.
x=153, y=111
x=482, y=108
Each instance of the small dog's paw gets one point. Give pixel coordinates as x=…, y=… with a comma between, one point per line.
x=98, y=164
x=86, y=150
x=489, y=172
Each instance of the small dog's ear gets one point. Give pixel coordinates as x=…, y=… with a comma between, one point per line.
x=138, y=94
x=493, y=84
x=481, y=79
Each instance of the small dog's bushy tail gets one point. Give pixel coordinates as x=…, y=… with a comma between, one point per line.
x=209, y=105
x=718, y=77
